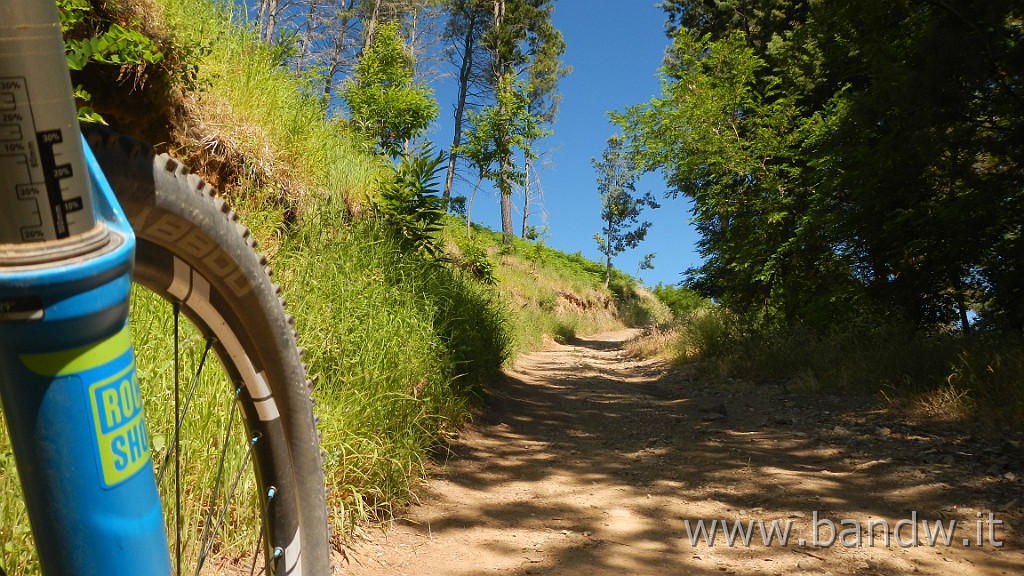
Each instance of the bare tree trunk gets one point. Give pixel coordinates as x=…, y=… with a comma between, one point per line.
x=268, y=20
x=261, y=19
x=504, y=164
x=608, y=254
x=469, y=206
x=307, y=38
x=506, y=219
x=340, y=24
x=370, y=27
x=499, y=12
x=527, y=164
x=332, y=68
x=468, y=46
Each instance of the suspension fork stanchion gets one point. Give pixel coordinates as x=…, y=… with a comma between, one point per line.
x=67, y=373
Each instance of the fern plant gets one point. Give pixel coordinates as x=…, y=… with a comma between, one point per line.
x=410, y=202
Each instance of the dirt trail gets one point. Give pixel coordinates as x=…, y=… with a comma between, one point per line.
x=588, y=462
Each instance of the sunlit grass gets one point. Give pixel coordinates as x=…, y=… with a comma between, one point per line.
x=254, y=118
x=17, y=547
x=398, y=347
x=552, y=293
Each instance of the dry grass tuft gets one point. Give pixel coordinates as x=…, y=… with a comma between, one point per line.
x=653, y=343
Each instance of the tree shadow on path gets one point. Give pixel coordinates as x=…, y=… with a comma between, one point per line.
x=588, y=462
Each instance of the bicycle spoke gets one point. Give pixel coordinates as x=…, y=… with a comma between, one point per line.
x=231, y=493
x=205, y=546
x=271, y=492
x=180, y=414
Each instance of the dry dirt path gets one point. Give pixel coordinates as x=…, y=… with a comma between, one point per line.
x=586, y=462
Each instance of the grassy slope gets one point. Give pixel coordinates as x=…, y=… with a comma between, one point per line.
x=553, y=293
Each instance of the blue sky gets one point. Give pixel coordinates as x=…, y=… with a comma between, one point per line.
x=614, y=48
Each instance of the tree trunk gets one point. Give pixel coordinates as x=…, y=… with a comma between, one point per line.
x=506, y=220
x=499, y=12
x=505, y=188
x=469, y=206
x=371, y=26
x=608, y=254
x=526, y=196
x=307, y=39
x=344, y=21
x=460, y=107
x=961, y=304
x=268, y=20
x=504, y=163
x=332, y=69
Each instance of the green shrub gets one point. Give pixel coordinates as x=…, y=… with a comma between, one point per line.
x=952, y=375
x=679, y=299
x=477, y=263
x=709, y=332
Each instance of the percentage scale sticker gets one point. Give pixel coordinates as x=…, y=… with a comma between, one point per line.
x=31, y=157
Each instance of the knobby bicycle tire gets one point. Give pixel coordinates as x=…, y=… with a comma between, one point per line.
x=192, y=251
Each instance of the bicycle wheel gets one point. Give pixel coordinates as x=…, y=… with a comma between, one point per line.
x=192, y=252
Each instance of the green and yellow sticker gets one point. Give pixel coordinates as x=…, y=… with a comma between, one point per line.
x=121, y=439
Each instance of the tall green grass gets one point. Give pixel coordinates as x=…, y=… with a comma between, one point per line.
x=398, y=347
x=259, y=121
x=17, y=548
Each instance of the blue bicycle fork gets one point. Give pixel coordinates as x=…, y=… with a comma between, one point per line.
x=67, y=373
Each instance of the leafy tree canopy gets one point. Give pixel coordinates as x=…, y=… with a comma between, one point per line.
x=847, y=159
x=383, y=100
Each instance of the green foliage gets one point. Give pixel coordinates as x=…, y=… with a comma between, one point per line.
x=519, y=41
x=732, y=158
x=496, y=132
x=679, y=299
x=410, y=201
x=86, y=113
x=383, y=101
x=846, y=160
x=493, y=137
x=710, y=333
x=477, y=263
x=116, y=46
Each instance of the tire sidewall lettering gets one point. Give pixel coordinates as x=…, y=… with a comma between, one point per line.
x=170, y=229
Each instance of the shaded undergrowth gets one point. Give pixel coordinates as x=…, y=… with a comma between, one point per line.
x=973, y=378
